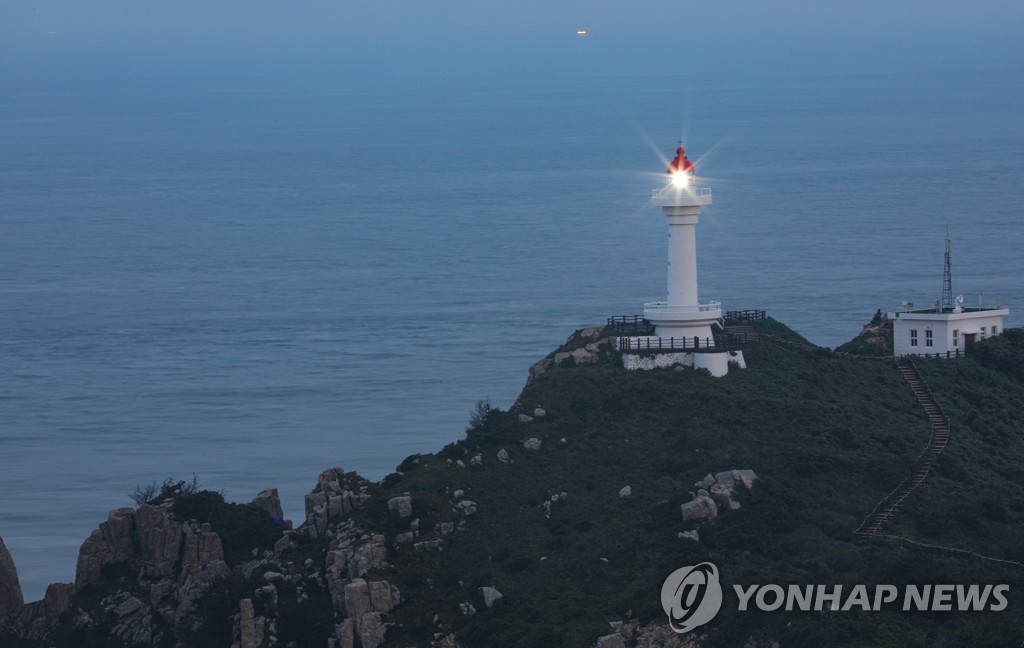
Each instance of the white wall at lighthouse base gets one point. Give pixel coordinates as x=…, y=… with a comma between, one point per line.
x=640, y=362
x=716, y=363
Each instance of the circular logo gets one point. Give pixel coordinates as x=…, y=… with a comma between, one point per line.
x=691, y=596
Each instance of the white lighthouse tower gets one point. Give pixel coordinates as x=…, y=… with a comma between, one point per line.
x=682, y=315
x=682, y=333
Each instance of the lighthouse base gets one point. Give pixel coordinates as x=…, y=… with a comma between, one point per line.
x=716, y=363
x=682, y=322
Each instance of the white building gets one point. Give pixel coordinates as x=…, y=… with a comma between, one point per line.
x=944, y=332
x=948, y=329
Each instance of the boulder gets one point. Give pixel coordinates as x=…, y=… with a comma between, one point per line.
x=625, y=491
x=539, y=412
x=524, y=418
x=491, y=596
x=503, y=456
x=532, y=443
x=702, y=507
x=724, y=500
x=466, y=507
x=401, y=506
x=11, y=598
x=690, y=535
x=746, y=477
x=611, y=641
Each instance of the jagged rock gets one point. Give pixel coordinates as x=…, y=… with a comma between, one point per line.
x=366, y=557
x=503, y=456
x=112, y=542
x=611, y=641
x=134, y=624
x=159, y=538
x=357, y=600
x=36, y=619
x=478, y=460
x=690, y=535
x=625, y=491
x=11, y=598
x=532, y=443
x=371, y=630
x=524, y=418
x=467, y=609
x=283, y=544
x=467, y=507
x=202, y=564
x=539, y=412
x=246, y=624
x=268, y=500
x=127, y=607
x=458, y=493
x=383, y=597
x=335, y=495
x=401, y=506
x=537, y=368
x=330, y=480
x=702, y=507
x=491, y=596
x=345, y=632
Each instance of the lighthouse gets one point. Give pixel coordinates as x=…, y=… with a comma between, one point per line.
x=682, y=315
x=678, y=332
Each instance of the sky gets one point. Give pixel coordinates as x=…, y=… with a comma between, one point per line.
x=71, y=38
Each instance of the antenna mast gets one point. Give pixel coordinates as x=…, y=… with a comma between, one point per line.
x=947, y=278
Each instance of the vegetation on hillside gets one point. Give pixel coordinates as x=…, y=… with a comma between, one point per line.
x=829, y=435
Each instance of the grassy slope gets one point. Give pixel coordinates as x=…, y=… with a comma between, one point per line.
x=828, y=438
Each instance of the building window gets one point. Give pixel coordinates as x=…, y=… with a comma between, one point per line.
x=913, y=337
x=956, y=337
x=982, y=332
x=928, y=337
x=995, y=330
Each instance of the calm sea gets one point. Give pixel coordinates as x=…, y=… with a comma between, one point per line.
x=255, y=281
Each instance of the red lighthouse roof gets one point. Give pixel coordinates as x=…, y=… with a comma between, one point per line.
x=681, y=163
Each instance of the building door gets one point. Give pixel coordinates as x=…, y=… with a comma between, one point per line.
x=969, y=341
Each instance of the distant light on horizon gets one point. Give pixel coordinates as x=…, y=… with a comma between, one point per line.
x=581, y=32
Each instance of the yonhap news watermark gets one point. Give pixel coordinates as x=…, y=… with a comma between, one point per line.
x=692, y=596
